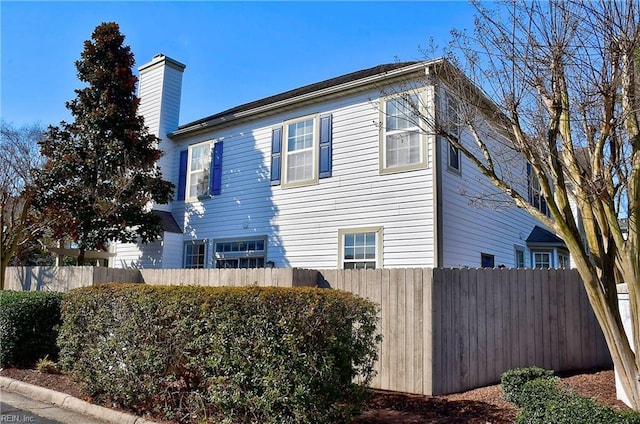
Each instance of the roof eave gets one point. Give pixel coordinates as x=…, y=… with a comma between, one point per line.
x=388, y=76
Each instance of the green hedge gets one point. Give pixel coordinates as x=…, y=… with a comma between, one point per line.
x=513, y=381
x=545, y=400
x=28, y=326
x=254, y=354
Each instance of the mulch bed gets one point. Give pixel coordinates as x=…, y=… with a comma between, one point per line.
x=482, y=406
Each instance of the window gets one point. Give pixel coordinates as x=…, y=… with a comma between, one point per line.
x=542, y=260
x=195, y=254
x=454, y=158
x=487, y=260
x=198, y=171
x=240, y=253
x=300, y=151
x=563, y=260
x=534, y=191
x=402, y=142
x=360, y=248
x=519, y=257
x=452, y=127
x=309, y=154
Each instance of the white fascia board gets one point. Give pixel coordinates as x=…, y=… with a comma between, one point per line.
x=304, y=98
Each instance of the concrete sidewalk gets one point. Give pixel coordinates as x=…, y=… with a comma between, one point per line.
x=26, y=403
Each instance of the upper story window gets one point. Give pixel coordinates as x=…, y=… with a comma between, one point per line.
x=198, y=175
x=302, y=151
x=402, y=144
x=535, y=192
x=300, y=148
x=452, y=127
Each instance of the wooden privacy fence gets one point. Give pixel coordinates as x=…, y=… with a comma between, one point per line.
x=444, y=330
x=450, y=330
x=66, y=278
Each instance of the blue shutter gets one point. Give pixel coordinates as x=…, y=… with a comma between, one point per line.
x=276, y=155
x=182, y=176
x=215, y=184
x=326, y=153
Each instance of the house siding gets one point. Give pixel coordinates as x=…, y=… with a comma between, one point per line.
x=303, y=222
x=477, y=218
x=132, y=255
x=160, y=92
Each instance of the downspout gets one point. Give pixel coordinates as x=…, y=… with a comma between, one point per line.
x=437, y=194
x=439, y=259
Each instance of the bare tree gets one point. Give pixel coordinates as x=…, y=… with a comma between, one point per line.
x=560, y=84
x=19, y=223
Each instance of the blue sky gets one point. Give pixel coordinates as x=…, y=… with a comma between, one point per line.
x=235, y=52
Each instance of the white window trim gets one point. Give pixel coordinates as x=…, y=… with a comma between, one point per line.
x=240, y=255
x=448, y=97
x=565, y=255
x=187, y=196
x=455, y=170
x=522, y=250
x=203, y=242
x=423, y=163
x=542, y=251
x=285, y=151
x=535, y=196
x=378, y=230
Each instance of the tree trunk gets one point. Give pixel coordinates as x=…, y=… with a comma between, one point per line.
x=618, y=341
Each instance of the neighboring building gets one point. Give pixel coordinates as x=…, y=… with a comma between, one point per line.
x=332, y=174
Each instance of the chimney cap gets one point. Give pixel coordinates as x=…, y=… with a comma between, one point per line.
x=160, y=58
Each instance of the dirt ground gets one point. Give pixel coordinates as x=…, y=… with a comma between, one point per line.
x=484, y=405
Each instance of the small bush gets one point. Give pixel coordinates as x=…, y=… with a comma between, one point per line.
x=547, y=401
x=47, y=366
x=630, y=417
x=250, y=354
x=513, y=381
x=29, y=324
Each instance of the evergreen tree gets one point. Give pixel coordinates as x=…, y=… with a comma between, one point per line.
x=100, y=177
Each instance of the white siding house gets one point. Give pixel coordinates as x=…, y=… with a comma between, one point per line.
x=328, y=175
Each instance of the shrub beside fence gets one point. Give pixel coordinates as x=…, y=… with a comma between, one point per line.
x=445, y=330
x=214, y=354
x=28, y=326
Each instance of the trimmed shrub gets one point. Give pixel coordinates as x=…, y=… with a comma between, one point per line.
x=535, y=395
x=229, y=354
x=630, y=417
x=546, y=400
x=513, y=381
x=28, y=326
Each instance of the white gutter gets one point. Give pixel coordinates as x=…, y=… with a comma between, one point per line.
x=304, y=97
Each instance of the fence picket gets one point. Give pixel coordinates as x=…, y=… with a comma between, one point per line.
x=444, y=330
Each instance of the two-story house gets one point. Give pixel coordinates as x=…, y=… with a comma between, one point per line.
x=332, y=174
